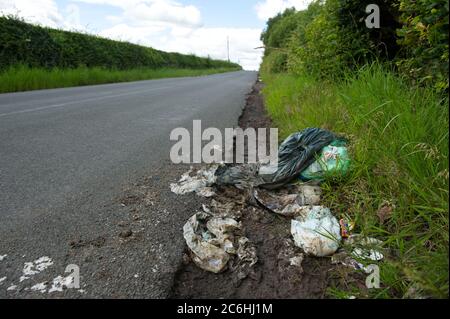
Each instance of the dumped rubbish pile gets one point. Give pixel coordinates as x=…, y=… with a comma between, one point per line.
x=215, y=237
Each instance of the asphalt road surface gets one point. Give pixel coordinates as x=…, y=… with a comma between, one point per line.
x=68, y=156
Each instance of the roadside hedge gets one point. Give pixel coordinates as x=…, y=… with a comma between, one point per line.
x=330, y=38
x=36, y=46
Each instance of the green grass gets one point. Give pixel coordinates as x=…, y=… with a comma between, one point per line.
x=21, y=78
x=399, y=147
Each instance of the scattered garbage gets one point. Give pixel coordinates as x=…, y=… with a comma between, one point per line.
x=219, y=209
x=289, y=204
x=212, y=240
x=297, y=261
x=346, y=227
x=247, y=252
x=343, y=258
x=366, y=248
x=204, y=254
x=296, y=153
x=214, y=236
x=199, y=183
x=317, y=232
x=333, y=159
x=242, y=176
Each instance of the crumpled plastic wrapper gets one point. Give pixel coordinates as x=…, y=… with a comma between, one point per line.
x=317, y=232
x=289, y=204
x=366, y=248
x=199, y=183
x=212, y=241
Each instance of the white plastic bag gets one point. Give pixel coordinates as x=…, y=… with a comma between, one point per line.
x=317, y=232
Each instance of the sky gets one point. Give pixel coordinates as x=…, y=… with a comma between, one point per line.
x=200, y=27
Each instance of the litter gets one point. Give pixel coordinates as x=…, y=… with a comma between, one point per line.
x=333, y=159
x=297, y=261
x=290, y=202
x=346, y=227
x=247, y=252
x=317, y=232
x=221, y=229
x=345, y=259
x=229, y=209
x=366, y=248
x=241, y=176
x=214, y=236
x=199, y=183
x=204, y=254
x=212, y=241
x=295, y=154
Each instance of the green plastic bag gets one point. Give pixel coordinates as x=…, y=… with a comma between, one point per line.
x=333, y=159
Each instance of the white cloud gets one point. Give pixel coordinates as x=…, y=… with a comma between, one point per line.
x=270, y=8
x=43, y=12
x=169, y=26
x=39, y=11
x=152, y=11
x=162, y=24
x=200, y=41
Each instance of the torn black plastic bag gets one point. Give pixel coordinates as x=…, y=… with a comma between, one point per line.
x=296, y=153
x=242, y=176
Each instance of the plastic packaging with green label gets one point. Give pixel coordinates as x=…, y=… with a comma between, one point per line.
x=333, y=159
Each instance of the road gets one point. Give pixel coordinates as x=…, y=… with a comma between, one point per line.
x=66, y=158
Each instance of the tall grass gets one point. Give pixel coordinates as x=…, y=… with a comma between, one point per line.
x=399, y=146
x=22, y=78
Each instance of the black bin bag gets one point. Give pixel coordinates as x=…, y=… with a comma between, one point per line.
x=295, y=154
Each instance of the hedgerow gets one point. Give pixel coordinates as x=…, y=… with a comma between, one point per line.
x=36, y=46
x=331, y=38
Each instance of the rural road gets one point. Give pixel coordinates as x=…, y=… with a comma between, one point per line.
x=68, y=156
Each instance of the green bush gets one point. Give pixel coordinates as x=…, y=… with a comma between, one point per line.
x=331, y=37
x=279, y=28
x=35, y=46
x=424, y=38
x=276, y=62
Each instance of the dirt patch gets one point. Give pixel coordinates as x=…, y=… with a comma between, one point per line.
x=282, y=271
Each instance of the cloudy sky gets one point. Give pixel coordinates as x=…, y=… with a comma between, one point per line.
x=187, y=26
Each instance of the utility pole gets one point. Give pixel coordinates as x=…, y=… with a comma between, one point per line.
x=228, y=47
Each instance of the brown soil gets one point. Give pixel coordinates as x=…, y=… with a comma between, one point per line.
x=273, y=276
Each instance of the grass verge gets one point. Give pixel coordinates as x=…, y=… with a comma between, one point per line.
x=399, y=146
x=22, y=78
